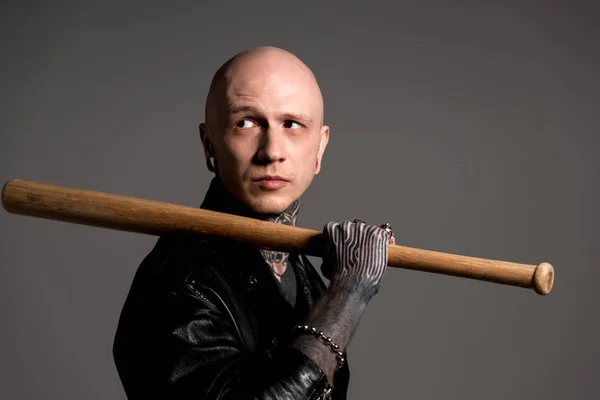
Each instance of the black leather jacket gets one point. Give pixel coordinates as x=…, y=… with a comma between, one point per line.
x=207, y=321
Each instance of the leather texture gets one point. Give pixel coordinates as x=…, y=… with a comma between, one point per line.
x=206, y=320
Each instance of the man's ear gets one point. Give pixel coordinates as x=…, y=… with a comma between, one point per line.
x=322, y=145
x=206, y=141
x=209, y=149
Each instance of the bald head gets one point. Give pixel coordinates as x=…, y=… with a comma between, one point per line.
x=260, y=68
x=264, y=128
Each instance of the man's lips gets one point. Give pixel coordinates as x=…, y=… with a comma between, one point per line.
x=270, y=182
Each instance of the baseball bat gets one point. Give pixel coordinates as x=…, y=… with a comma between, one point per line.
x=151, y=217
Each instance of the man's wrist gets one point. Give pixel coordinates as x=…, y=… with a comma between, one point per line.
x=350, y=294
x=326, y=340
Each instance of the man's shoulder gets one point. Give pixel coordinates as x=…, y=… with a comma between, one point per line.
x=174, y=278
x=175, y=257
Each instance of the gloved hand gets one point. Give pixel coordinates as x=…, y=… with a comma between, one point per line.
x=356, y=256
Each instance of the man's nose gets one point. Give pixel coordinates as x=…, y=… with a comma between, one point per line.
x=273, y=146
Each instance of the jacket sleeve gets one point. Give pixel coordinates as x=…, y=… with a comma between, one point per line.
x=208, y=361
x=176, y=345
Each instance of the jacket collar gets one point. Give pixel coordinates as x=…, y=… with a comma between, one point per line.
x=246, y=265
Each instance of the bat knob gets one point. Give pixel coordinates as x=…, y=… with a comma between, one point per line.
x=543, y=278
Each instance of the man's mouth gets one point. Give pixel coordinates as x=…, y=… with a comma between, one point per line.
x=270, y=182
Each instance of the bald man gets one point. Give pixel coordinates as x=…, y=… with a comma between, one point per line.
x=218, y=320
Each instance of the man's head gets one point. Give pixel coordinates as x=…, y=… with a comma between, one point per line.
x=264, y=119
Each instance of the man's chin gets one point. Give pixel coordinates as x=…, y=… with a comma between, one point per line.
x=267, y=210
x=268, y=206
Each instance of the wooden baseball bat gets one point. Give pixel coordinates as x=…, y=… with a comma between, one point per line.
x=132, y=214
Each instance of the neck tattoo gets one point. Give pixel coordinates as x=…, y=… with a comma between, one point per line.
x=278, y=261
x=218, y=198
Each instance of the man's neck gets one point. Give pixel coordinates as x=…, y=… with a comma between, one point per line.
x=218, y=198
x=288, y=217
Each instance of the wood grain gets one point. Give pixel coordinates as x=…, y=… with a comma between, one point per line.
x=152, y=217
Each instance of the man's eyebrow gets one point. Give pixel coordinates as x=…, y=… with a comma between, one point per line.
x=295, y=116
x=301, y=117
x=236, y=108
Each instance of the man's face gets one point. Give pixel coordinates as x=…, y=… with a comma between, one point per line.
x=270, y=138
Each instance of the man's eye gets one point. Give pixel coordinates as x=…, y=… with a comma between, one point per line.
x=291, y=124
x=245, y=123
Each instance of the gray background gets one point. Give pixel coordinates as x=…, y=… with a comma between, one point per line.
x=471, y=126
